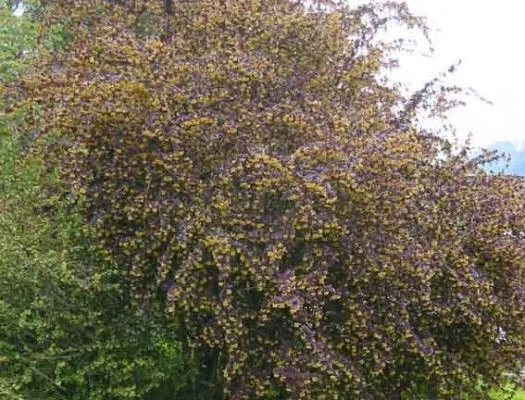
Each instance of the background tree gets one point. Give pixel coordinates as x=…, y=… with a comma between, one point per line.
x=68, y=328
x=242, y=162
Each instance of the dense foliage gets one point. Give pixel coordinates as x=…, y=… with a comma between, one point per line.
x=68, y=327
x=242, y=164
x=17, y=39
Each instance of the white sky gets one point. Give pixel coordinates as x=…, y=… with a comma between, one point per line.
x=488, y=37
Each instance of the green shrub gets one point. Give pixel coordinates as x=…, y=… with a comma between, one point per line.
x=18, y=42
x=68, y=327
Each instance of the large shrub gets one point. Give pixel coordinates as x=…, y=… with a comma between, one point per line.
x=243, y=158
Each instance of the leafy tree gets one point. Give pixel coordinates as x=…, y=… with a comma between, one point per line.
x=17, y=39
x=68, y=327
x=243, y=160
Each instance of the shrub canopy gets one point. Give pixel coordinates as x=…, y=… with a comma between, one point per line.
x=244, y=160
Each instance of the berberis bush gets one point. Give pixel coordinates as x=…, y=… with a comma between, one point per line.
x=243, y=160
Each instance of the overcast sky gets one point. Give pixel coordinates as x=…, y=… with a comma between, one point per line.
x=488, y=37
